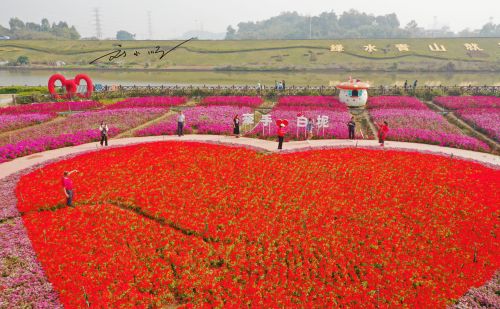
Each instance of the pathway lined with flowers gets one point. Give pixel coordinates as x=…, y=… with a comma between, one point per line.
x=18, y=164
x=464, y=126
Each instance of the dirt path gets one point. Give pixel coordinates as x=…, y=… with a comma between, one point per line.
x=363, y=122
x=173, y=111
x=130, y=133
x=464, y=126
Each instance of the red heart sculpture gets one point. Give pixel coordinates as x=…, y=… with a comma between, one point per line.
x=70, y=85
x=281, y=121
x=169, y=224
x=89, y=85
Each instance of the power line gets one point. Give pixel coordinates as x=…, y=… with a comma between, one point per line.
x=97, y=21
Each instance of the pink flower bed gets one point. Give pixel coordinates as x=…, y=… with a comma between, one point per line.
x=14, y=122
x=486, y=120
x=337, y=124
x=74, y=130
x=161, y=102
x=483, y=113
x=391, y=102
x=233, y=101
x=307, y=102
x=291, y=107
x=468, y=102
x=50, y=107
x=202, y=119
x=410, y=120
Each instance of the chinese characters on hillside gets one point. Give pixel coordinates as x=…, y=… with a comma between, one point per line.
x=403, y=47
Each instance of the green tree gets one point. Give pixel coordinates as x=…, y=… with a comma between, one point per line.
x=230, y=33
x=123, y=35
x=16, y=24
x=23, y=60
x=490, y=30
x=33, y=27
x=45, y=26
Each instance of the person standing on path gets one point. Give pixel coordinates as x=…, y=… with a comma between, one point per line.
x=309, y=128
x=180, y=123
x=383, y=129
x=406, y=84
x=236, y=126
x=103, y=128
x=281, y=135
x=68, y=187
x=352, y=127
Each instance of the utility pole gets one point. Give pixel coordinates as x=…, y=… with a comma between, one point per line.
x=150, y=26
x=97, y=21
x=310, y=27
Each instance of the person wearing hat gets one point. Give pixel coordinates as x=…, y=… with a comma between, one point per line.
x=281, y=135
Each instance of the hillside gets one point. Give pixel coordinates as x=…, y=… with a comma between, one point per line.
x=263, y=55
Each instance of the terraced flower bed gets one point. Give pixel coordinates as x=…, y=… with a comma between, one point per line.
x=200, y=119
x=232, y=101
x=290, y=108
x=483, y=113
x=410, y=120
x=52, y=107
x=74, y=130
x=150, y=102
x=13, y=122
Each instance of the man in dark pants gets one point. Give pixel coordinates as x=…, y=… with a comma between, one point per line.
x=352, y=127
x=180, y=123
x=104, y=133
x=281, y=135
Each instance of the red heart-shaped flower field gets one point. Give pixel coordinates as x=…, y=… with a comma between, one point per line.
x=197, y=224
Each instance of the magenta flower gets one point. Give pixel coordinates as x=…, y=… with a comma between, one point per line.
x=410, y=120
x=233, y=101
x=158, y=102
x=50, y=107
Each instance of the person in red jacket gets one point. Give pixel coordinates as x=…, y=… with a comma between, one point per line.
x=281, y=135
x=383, y=129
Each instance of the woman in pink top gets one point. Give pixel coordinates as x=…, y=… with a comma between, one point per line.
x=68, y=187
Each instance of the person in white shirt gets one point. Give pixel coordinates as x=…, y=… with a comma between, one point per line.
x=180, y=123
x=104, y=133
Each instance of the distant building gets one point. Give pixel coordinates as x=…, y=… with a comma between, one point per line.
x=4, y=37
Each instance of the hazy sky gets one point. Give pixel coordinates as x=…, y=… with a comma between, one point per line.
x=171, y=18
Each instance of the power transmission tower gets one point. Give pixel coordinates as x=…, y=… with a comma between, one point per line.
x=97, y=21
x=310, y=27
x=150, y=26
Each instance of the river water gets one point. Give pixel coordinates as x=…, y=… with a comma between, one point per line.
x=40, y=77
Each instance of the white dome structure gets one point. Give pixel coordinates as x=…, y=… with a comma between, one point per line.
x=353, y=93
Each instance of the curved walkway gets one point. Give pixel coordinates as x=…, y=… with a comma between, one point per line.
x=19, y=164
